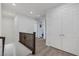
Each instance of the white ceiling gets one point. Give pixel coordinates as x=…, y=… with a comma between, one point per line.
x=37, y=9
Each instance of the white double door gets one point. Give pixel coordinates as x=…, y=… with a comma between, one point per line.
x=70, y=40
x=65, y=33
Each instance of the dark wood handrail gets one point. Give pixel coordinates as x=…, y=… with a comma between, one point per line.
x=33, y=52
x=3, y=43
x=24, y=36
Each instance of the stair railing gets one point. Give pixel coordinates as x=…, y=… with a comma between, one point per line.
x=3, y=43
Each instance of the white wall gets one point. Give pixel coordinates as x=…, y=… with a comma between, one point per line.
x=44, y=27
x=8, y=29
x=0, y=19
x=11, y=26
x=0, y=30
x=24, y=24
x=63, y=28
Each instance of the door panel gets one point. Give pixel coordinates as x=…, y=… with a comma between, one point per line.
x=71, y=33
x=53, y=33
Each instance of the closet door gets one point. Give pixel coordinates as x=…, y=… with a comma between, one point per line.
x=71, y=31
x=54, y=32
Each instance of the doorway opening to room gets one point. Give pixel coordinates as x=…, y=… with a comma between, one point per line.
x=41, y=34
x=41, y=28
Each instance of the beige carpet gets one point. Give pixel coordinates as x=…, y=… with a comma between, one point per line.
x=43, y=50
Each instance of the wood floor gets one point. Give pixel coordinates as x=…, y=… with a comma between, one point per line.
x=43, y=50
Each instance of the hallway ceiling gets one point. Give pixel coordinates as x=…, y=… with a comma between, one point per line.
x=34, y=10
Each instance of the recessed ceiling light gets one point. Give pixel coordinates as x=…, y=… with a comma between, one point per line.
x=31, y=12
x=13, y=4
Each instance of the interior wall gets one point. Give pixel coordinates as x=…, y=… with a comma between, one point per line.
x=63, y=28
x=0, y=30
x=24, y=24
x=11, y=26
x=0, y=19
x=8, y=29
x=44, y=27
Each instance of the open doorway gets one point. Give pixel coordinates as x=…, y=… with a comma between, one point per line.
x=41, y=28
x=41, y=34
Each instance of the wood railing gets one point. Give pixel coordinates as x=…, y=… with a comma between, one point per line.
x=3, y=43
x=28, y=40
